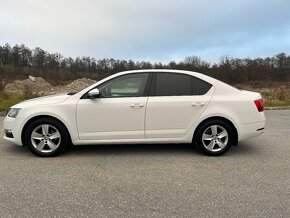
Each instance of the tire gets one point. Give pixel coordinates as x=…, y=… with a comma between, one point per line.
x=214, y=137
x=46, y=137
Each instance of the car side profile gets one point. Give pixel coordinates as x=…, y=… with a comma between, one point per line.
x=141, y=106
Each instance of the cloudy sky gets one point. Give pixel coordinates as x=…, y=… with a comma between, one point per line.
x=155, y=30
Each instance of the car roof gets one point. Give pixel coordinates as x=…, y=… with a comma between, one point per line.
x=192, y=73
x=161, y=70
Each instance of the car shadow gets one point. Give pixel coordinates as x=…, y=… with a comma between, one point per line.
x=16, y=150
x=132, y=149
x=244, y=148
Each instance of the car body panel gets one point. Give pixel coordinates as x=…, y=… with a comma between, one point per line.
x=161, y=120
x=111, y=118
x=172, y=116
x=46, y=100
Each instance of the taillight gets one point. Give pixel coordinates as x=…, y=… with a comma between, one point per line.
x=259, y=104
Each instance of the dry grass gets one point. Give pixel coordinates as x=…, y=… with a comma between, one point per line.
x=274, y=94
x=8, y=100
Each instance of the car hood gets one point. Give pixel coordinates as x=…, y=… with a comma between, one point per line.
x=46, y=100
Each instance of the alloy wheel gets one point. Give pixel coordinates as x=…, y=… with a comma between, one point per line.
x=215, y=138
x=45, y=138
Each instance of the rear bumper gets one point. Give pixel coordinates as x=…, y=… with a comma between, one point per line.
x=250, y=130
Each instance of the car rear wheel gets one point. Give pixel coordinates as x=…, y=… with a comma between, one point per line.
x=46, y=137
x=214, y=137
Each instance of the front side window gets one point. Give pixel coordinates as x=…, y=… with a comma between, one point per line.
x=132, y=85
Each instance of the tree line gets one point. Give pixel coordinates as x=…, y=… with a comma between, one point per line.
x=19, y=61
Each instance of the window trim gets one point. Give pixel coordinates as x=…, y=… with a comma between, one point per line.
x=152, y=92
x=145, y=94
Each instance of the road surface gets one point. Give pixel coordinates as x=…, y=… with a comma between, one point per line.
x=252, y=179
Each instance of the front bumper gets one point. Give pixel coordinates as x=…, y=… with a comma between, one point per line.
x=12, y=129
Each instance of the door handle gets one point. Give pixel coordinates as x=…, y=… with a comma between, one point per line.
x=137, y=105
x=198, y=104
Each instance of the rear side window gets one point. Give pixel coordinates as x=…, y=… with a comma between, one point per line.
x=169, y=84
x=199, y=87
x=174, y=84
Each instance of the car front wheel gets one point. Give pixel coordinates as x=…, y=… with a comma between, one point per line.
x=46, y=137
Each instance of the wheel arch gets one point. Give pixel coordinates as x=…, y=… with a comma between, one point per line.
x=32, y=119
x=236, y=135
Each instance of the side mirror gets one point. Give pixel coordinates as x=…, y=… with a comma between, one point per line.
x=94, y=93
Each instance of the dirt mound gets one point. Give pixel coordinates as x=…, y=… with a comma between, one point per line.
x=32, y=85
x=78, y=85
x=38, y=86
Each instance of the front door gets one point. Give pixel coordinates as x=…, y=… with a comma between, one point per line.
x=118, y=113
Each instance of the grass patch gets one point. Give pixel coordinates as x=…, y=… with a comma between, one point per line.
x=8, y=100
x=274, y=97
x=274, y=94
x=274, y=103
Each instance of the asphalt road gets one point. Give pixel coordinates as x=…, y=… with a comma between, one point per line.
x=252, y=179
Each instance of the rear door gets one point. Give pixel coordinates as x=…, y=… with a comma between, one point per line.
x=176, y=101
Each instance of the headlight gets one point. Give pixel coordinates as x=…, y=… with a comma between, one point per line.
x=13, y=112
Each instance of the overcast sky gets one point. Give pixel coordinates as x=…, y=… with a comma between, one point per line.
x=155, y=30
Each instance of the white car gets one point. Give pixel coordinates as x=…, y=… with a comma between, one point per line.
x=141, y=106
